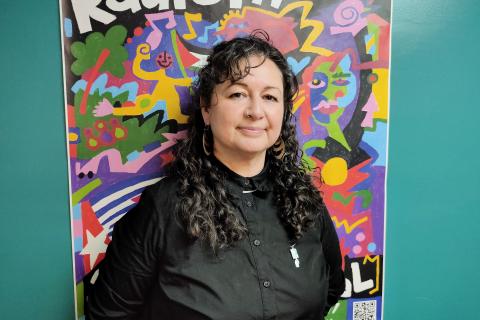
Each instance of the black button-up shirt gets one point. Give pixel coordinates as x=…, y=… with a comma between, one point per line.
x=152, y=270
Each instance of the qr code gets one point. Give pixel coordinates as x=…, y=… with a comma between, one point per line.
x=365, y=310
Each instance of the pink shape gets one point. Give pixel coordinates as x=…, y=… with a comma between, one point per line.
x=370, y=107
x=104, y=108
x=360, y=236
x=77, y=228
x=155, y=37
x=348, y=17
x=357, y=249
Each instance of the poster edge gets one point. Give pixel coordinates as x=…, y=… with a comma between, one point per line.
x=65, y=105
x=385, y=216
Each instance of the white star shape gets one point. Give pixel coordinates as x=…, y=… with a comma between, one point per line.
x=95, y=246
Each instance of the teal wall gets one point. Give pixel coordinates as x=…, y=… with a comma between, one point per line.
x=36, y=279
x=433, y=185
x=433, y=241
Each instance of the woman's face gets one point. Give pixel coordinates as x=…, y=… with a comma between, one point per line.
x=246, y=116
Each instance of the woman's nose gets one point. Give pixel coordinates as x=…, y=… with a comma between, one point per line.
x=255, y=109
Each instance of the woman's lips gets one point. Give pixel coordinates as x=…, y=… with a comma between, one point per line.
x=253, y=131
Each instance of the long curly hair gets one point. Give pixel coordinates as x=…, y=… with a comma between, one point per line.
x=204, y=204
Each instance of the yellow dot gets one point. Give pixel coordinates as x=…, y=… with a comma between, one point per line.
x=72, y=136
x=335, y=171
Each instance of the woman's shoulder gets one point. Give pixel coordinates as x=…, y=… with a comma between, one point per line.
x=163, y=184
x=163, y=192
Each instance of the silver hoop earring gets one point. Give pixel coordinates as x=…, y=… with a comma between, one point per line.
x=206, y=146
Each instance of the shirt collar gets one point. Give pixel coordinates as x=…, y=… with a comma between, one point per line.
x=236, y=182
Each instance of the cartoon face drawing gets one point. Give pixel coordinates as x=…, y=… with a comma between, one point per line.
x=331, y=87
x=164, y=60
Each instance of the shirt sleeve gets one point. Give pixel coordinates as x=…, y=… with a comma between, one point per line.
x=333, y=256
x=130, y=264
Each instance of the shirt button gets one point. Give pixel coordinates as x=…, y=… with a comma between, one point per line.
x=249, y=203
x=246, y=182
x=266, y=283
x=256, y=242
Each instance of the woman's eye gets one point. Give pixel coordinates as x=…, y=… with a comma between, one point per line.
x=270, y=98
x=236, y=95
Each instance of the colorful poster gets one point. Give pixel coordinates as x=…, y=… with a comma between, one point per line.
x=128, y=66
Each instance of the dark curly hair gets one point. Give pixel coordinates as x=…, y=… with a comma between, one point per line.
x=204, y=204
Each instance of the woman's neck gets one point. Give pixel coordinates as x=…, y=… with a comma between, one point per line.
x=243, y=166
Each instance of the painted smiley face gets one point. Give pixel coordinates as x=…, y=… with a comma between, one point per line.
x=164, y=60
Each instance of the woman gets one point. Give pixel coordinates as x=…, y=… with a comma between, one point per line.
x=237, y=230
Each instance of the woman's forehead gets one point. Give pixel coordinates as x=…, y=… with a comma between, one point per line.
x=254, y=68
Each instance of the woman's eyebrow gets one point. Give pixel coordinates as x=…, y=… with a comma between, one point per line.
x=243, y=84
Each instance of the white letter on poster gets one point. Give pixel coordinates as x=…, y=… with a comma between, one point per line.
x=206, y=2
x=86, y=9
x=162, y=4
x=133, y=5
x=235, y=4
x=358, y=285
x=179, y=4
x=274, y=3
x=348, y=289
